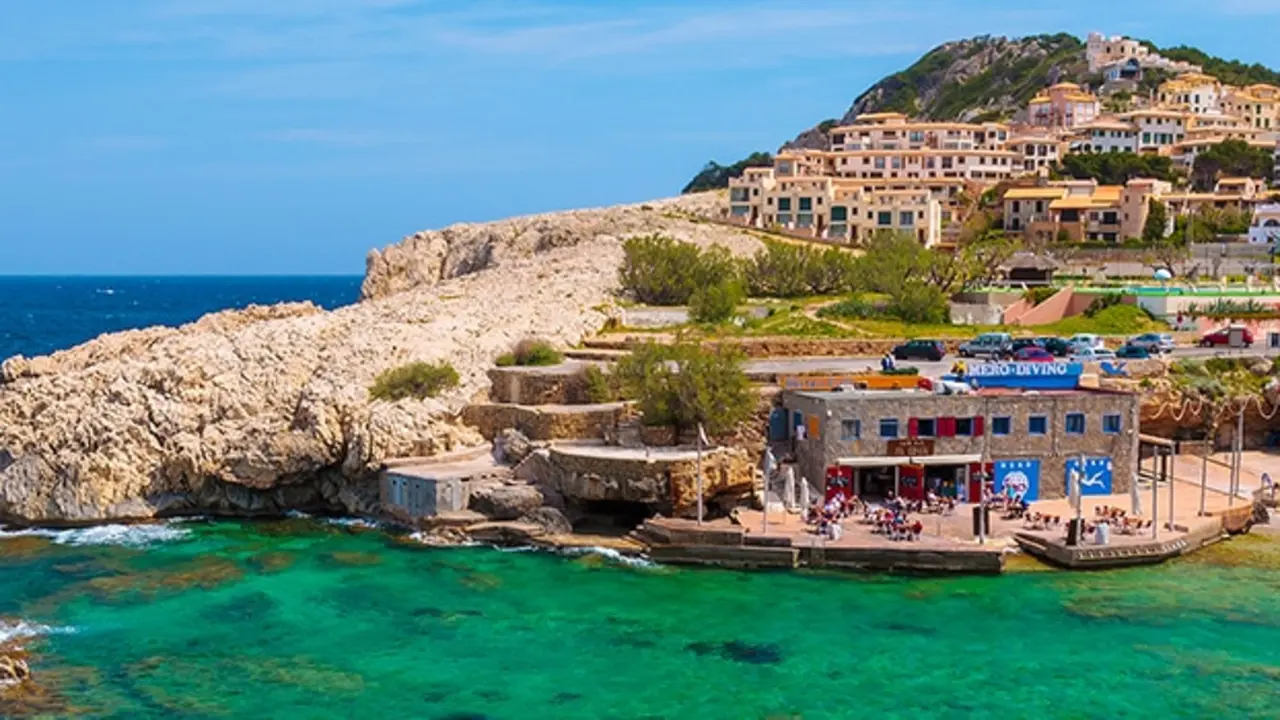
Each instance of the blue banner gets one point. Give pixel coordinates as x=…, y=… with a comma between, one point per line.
x=1096, y=479
x=1041, y=375
x=1020, y=477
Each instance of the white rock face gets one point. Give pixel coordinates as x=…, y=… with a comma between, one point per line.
x=266, y=409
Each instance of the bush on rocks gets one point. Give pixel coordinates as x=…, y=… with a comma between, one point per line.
x=531, y=352
x=418, y=380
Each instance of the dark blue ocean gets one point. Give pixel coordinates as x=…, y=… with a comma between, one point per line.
x=41, y=314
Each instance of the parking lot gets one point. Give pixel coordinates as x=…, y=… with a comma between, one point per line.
x=837, y=365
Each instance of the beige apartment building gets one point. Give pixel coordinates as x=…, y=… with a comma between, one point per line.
x=1257, y=105
x=1039, y=151
x=1196, y=92
x=883, y=172
x=1062, y=105
x=1158, y=128
x=1081, y=209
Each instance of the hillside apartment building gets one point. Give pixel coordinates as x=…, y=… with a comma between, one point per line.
x=883, y=172
x=1086, y=211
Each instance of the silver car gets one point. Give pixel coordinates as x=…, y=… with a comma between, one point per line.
x=1154, y=343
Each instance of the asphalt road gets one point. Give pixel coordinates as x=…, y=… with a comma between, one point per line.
x=853, y=364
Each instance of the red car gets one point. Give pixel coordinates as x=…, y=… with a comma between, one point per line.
x=1033, y=354
x=1223, y=337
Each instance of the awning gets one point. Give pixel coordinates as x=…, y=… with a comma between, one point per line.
x=887, y=461
x=874, y=461
x=945, y=459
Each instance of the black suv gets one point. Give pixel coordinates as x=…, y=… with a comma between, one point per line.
x=1056, y=346
x=920, y=350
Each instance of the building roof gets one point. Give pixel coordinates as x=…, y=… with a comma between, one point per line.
x=1078, y=203
x=1106, y=124
x=1155, y=112
x=1035, y=193
x=1029, y=261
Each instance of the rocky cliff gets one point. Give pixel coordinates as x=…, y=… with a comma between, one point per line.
x=265, y=409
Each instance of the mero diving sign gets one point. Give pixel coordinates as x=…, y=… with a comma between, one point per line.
x=1041, y=375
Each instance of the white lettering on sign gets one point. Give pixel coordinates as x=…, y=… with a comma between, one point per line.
x=1016, y=369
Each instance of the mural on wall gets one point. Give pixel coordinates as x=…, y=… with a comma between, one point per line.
x=1096, y=479
x=1020, y=477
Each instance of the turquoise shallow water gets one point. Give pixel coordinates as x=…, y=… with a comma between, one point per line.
x=301, y=619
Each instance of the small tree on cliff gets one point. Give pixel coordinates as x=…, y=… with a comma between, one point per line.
x=682, y=385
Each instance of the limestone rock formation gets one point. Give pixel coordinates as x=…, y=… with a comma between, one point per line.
x=505, y=502
x=266, y=408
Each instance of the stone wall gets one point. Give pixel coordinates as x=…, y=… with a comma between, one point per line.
x=551, y=422
x=667, y=485
x=559, y=385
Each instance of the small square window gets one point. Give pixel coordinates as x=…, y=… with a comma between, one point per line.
x=850, y=429
x=964, y=427
x=1111, y=424
x=1075, y=424
x=926, y=427
x=1001, y=425
x=1037, y=425
x=889, y=428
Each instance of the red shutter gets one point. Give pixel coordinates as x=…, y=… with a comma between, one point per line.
x=978, y=428
x=946, y=427
x=913, y=428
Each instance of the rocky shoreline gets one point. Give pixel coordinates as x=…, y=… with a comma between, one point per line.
x=258, y=411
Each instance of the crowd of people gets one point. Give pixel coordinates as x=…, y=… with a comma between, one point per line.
x=1118, y=519
x=891, y=519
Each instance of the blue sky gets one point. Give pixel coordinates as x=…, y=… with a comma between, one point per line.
x=291, y=136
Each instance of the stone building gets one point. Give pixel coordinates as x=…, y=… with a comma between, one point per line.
x=1024, y=437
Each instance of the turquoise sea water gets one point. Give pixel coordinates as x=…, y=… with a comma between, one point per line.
x=304, y=619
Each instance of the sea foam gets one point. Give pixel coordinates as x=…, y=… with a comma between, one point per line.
x=136, y=536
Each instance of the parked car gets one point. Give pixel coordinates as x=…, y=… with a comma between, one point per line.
x=1020, y=343
x=1087, y=340
x=1035, y=353
x=1056, y=346
x=1087, y=354
x=1222, y=337
x=1153, y=342
x=1133, y=352
x=919, y=349
x=993, y=345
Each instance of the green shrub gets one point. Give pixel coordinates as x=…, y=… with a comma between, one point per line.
x=658, y=270
x=599, y=386
x=853, y=308
x=902, y=371
x=787, y=270
x=920, y=303
x=717, y=303
x=1102, y=303
x=531, y=352
x=418, y=380
x=1037, y=295
x=683, y=385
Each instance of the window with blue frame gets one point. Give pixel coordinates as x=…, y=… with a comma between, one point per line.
x=1111, y=424
x=1075, y=424
x=1037, y=425
x=889, y=428
x=1001, y=425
